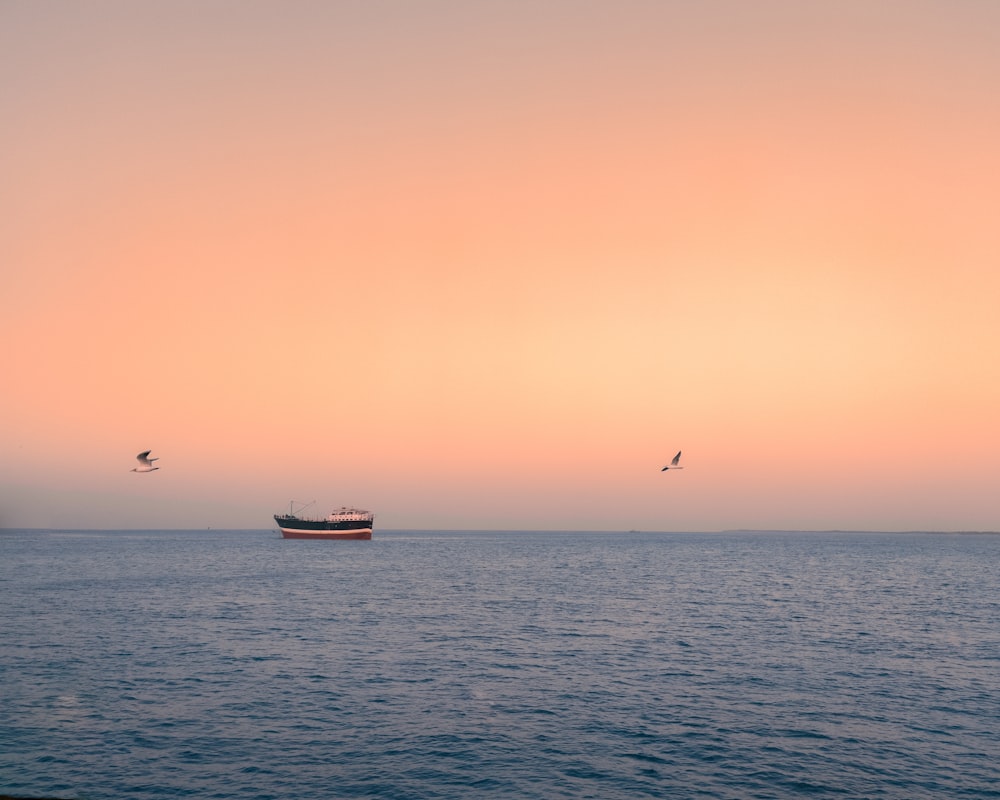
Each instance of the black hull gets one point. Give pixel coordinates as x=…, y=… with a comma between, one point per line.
x=298, y=524
x=297, y=528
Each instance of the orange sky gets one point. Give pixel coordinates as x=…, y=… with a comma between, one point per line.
x=490, y=265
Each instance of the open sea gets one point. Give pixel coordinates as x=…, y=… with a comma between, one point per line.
x=438, y=665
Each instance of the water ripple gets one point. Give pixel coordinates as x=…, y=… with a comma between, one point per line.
x=239, y=665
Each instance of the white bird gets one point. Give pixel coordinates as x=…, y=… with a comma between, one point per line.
x=145, y=462
x=673, y=464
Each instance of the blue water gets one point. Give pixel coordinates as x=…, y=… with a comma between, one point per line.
x=235, y=664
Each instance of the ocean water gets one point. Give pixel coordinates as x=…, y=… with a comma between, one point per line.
x=235, y=664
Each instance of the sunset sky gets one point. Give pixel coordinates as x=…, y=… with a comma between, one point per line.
x=491, y=264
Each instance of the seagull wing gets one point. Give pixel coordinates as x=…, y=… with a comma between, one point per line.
x=676, y=459
x=143, y=457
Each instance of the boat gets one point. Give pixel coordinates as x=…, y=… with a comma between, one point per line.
x=342, y=523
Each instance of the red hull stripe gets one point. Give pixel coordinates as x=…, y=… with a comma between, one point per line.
x=359, y=533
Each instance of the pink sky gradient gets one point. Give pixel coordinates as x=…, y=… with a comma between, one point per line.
x=490, y=265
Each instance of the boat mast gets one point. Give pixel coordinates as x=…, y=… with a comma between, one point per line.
x=291, y=507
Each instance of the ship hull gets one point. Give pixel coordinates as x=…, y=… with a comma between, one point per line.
x=291, y=533
x=296, y=528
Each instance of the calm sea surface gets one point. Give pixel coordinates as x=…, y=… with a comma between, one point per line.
x=235, y=664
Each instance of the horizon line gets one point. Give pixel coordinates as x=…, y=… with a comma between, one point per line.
x=531, y=530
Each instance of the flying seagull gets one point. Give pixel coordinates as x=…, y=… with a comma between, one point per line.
x=673, y=464
x=145, y=462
